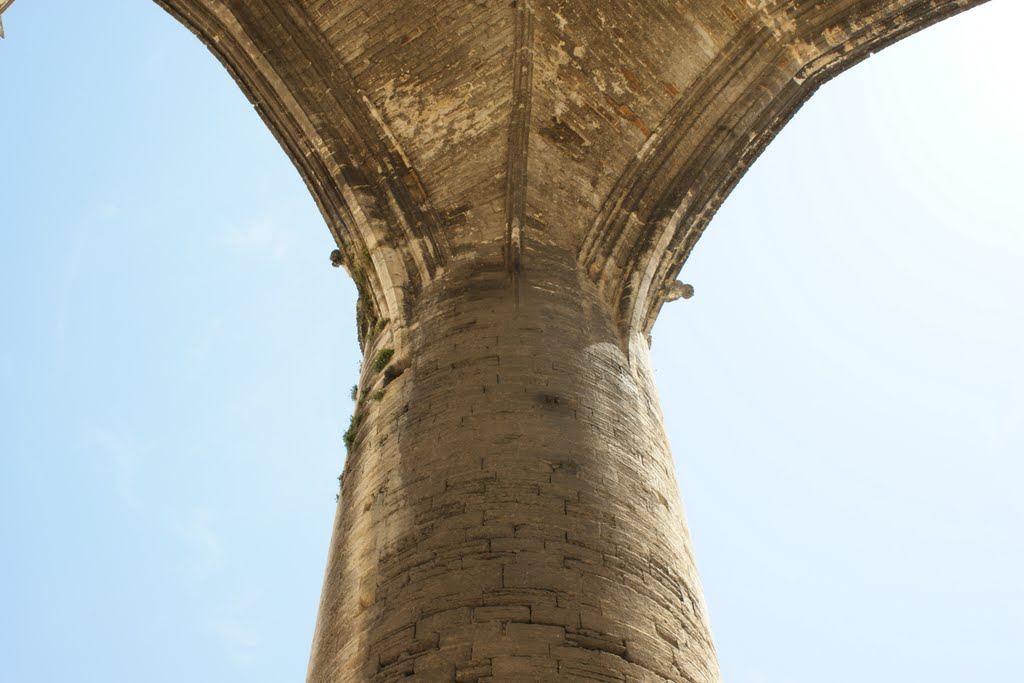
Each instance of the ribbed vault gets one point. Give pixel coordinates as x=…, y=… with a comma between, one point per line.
x=615, y=129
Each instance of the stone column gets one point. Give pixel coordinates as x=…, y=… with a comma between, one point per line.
x=508, y=510
x=515, y=185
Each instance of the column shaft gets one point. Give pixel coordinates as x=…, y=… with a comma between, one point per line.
x=509, y=509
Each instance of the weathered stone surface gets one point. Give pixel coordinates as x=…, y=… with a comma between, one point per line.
x=512, y=493
x=514, y=185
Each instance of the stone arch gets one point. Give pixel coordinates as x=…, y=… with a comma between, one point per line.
x=369, y=194
x=663, y=201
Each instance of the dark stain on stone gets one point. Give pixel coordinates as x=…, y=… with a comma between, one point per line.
x=548, y=400
x=562, y=133
x=454, y=216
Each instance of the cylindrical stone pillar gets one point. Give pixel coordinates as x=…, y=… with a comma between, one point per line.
x=508, y=510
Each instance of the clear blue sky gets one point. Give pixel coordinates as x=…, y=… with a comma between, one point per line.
x=844, y=395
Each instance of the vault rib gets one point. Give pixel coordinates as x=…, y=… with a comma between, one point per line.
x=516, y=177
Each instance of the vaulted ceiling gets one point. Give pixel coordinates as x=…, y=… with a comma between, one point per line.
x=428, y=130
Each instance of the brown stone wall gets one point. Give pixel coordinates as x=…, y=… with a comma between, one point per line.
x=509, y=509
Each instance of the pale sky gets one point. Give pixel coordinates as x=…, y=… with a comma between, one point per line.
x=844, y=394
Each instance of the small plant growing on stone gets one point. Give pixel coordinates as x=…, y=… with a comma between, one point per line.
x=378, y=395
x=355, y=391
x=382, y=359
x=376, y=328
x=350, y=433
